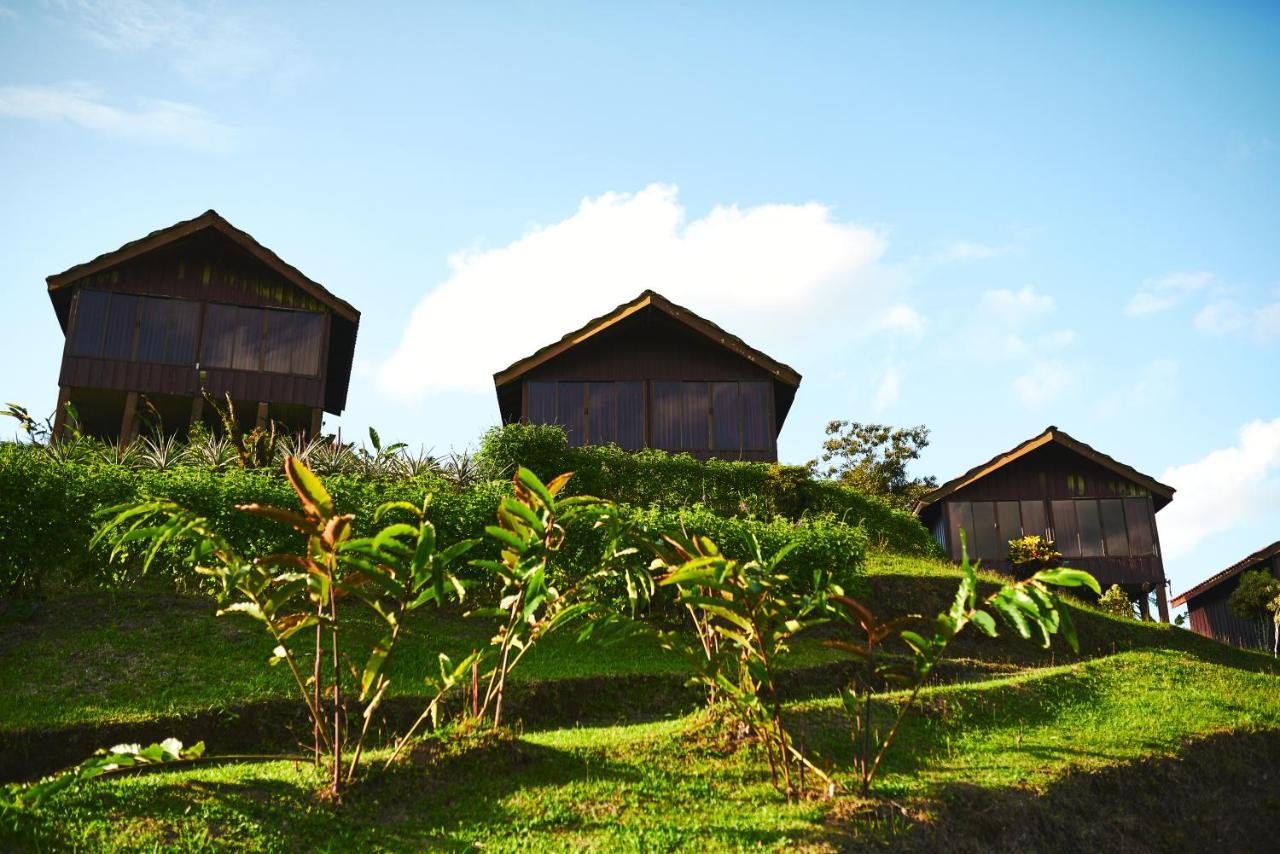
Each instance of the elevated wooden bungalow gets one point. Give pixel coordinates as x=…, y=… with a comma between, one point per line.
x=199, y=305
x=1207, y=602
x=1099, y=512
x=652, y=374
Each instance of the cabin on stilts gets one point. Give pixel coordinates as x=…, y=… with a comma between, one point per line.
x=1099, y=512
x=198, y=307
x=652, y=374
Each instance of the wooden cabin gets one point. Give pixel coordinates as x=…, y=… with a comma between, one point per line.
x=652, y=374
x=1099, y=512
x=199, y=306
x=1207, y=603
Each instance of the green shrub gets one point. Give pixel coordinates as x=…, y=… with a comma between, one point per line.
x=48, y=514
x=656, y=478
x=1116, y=602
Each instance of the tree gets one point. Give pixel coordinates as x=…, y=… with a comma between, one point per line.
x=1254, y=599
x=873, y=459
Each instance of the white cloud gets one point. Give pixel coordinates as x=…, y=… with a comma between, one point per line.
x=959, y=251
x=1016, y=307
x=888, y=389
x=209, y=43
x=153, y=121
x=902, y=318
x=755, y=270
x=1044, y=383
x=1227, y=315
x=1163, y=293
x=1226, y=488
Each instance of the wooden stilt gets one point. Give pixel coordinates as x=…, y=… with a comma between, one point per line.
x=129, y=423
x=60, y=414
x=262, y=415
x=197, y=411
x=317, y=418
x=1162, y=603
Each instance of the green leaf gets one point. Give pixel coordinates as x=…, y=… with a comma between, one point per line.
x=985, y=622
x=531, y=482
x=315, y=498
x=1065, y=577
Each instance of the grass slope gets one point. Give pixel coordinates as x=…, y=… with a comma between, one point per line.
x=1090, y=751
x=671, y=786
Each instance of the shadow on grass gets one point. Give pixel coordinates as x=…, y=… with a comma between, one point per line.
x=1217, y=794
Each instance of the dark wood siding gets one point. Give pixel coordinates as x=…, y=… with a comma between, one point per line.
x=703, y=399
x=1208, y=614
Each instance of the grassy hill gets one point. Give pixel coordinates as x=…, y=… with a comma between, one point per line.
x=1152, y=737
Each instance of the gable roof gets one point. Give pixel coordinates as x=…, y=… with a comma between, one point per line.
x=649, y=299
x=1051, y=435
x=210, y=219
x=1230, y=572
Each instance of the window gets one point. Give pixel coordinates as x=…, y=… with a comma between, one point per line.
x=726, y=417
x=1065, y=528
x=1091, y=543
x=571, y=412
x=135, y=328
x=666, y=415
x=292, y=343
x=986, y=537
x=233, y=337
x=961, y=519
x=1034, y=522
x=1009, y=522
x=91, y=322
x=757, y=432
x=591, y=413
x=1138, y=518
x=1113, y=528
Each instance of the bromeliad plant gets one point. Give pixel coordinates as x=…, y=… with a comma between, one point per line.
x=743, y=620
x=1030, y=607
x=399, y=569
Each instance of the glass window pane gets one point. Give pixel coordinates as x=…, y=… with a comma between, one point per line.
x=695, y=417
x=122, y=322
x=91, y=321
x=757, y=429
x=1066, y=531
x=666, y=416
x=1137, y=513
x=248, y=354
x=283, y=338
x=1117, y=541
x=153, y=327
x=309, y=327
x=726, y=417
x=1033, y=519
x=602, y=413
x=218, y=349
x=570, y=411
x=184, y=324
x=1090, y=528
x=630, y=405
x=960, y=515
x=542, y=403
x=1009, y=520
x=986, y=536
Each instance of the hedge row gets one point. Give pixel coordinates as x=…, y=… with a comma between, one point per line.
x=50, y=510
x=656, y=478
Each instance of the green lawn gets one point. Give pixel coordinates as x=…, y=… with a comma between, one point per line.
x=1151, y=737
x=659, y=786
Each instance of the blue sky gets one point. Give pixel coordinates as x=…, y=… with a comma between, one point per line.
x=986, y=218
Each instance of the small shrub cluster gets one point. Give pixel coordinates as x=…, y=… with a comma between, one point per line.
x=745, y=489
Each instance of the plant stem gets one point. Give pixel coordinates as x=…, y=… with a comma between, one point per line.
x=316, y=682
x=337, y=689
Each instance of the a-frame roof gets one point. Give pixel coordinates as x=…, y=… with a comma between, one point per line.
x=1051, y=435
x=1230, y=572
x=210, y=219
x=649, y=299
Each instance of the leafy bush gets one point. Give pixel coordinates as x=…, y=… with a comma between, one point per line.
x=1033, y=553
x=1116, y=602
x=47, y=519
x=745, y=489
